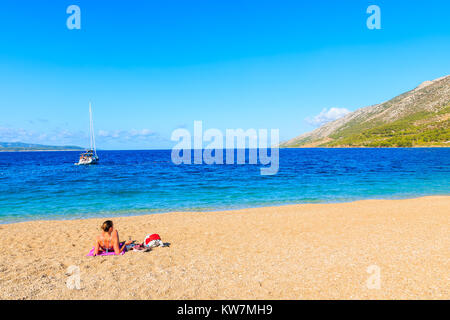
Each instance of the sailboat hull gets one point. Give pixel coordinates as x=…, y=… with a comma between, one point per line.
x=87, y=161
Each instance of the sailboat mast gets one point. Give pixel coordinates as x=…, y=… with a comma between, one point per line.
x=90, y=126
x=92, y=131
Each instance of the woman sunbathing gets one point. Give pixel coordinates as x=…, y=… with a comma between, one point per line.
x=108, y=241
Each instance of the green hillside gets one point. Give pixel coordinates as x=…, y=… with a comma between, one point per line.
x=418, y=129
x=20, y=146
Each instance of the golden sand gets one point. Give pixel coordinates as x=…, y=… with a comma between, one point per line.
x=311, y=251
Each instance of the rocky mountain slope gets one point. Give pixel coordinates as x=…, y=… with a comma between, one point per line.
x=420, y=117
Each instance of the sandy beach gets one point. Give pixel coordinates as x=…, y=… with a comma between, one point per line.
x=310, y=251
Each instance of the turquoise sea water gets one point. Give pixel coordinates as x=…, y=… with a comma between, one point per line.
x=47, y=185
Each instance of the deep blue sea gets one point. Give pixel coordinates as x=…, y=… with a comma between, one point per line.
x=47, y=185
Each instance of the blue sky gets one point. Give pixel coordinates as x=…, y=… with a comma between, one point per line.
x=152, y=66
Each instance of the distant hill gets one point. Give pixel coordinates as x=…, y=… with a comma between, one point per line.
x=420, y=117
x=19, y=146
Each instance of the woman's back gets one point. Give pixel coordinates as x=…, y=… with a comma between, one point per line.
x=106, y=241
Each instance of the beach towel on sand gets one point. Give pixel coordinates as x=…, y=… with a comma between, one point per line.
x=104, y=253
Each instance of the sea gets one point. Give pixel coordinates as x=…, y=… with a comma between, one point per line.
x=48, y=186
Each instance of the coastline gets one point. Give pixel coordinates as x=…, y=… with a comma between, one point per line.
x=11, y=151
x=363, y=147
x=305, y=251
x=280, y=147
x=133, y=214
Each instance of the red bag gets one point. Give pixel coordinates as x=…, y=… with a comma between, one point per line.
x=151, y=237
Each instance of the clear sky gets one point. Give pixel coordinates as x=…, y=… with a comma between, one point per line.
x=152, y=66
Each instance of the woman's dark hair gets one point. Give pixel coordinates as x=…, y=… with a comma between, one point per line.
x=107, y=225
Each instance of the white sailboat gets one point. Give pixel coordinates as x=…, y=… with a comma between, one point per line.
x=90, y=156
